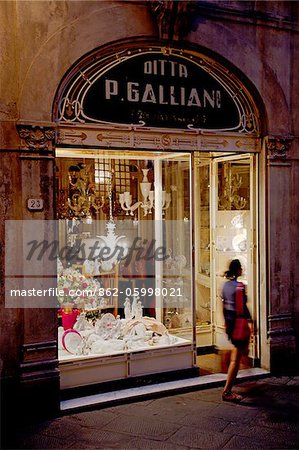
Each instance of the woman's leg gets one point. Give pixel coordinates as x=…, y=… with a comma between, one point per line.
x=232, y=372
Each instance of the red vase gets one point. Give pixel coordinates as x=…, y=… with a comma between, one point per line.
x=69, y=317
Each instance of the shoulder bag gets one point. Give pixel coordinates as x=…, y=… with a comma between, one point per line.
x=241, y=331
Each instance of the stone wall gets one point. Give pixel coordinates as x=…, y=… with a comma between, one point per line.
x=41, y=40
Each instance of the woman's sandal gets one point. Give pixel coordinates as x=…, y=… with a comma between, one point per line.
x=231, y=397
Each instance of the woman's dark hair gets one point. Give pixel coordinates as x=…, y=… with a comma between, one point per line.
x=234, y=269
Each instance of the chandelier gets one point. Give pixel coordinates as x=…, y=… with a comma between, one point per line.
x=229, y=197
x=148, y=198
x=114, y=248
x=81, y=199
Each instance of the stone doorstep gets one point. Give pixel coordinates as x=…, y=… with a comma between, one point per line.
x=122, y=396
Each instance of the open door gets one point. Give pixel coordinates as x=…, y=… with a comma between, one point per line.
x=225, y=229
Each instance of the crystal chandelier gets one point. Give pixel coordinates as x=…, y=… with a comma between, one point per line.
x=81, y=199
x=229, y=197
x=112, y=242
x=148, y=198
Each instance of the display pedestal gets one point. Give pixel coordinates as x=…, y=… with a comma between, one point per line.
x=95, y=370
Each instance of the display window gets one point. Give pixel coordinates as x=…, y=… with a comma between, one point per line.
x=125, y=268
x=127, y=222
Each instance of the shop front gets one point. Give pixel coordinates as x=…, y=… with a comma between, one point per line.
x=157, y=171
x=148, y=143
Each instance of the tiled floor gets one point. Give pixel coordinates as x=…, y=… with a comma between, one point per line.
x=265, y=419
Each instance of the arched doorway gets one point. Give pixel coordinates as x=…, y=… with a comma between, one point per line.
x=169, y=133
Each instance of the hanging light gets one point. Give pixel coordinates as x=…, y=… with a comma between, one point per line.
x=148, y=196
x=111, y=241
x=81, y=200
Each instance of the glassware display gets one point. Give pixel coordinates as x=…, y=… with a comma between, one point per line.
x=203, y=240
x=134, y=253
x=233, y=230
x=127, y=274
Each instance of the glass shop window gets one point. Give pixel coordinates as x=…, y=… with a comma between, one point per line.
x=124, y=268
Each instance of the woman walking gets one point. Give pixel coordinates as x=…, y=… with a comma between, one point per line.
x=239, y=326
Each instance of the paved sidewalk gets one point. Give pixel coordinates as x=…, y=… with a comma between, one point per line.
x=267, y=418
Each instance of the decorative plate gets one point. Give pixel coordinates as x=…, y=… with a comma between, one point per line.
x=240, y=243
x=107, y=321
x=71, y=339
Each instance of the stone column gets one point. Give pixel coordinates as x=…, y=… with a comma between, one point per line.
x=281, y=252
x=11, y=320
x=28, y=340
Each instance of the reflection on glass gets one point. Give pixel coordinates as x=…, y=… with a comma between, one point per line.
x=124, y=276
x=233, y=232
x=203, y=268
x=223, y=231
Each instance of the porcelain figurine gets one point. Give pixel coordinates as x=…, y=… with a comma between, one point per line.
x=83, y=348
x=88, y=267
x=134, y=307
x=139, y=309
x=138, y=331
x=82, y=323
x=128, y=310
x=97, y=267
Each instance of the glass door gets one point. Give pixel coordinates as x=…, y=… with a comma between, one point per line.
x=225, y=190
x=175, y=231
x=233, y=234
x=203, y=267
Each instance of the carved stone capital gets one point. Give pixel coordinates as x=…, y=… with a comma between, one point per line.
x=278, y=146
x=36, y=137
x=174, y=18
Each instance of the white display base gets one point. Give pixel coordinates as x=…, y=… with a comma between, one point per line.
x=78, y=371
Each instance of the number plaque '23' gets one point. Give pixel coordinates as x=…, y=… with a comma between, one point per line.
x=35, y=204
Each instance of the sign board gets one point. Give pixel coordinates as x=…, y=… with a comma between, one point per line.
x=159, y=90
